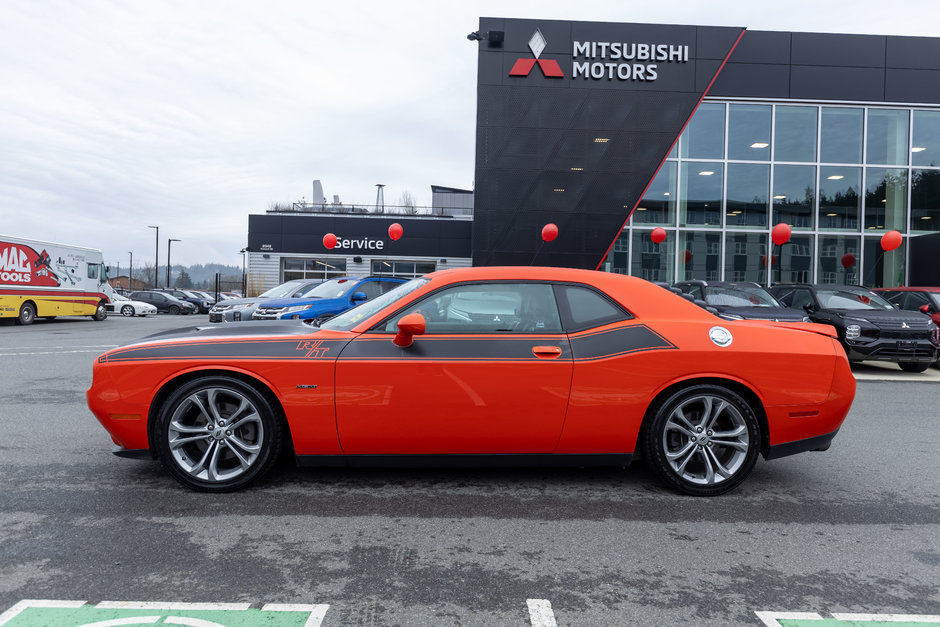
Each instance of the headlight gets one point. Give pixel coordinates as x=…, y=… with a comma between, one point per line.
x=852, y=332
x=806, y=319
x=298, y=308
x=242, y=306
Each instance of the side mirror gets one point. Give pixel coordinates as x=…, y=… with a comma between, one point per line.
x=410, y=325
x=809, y=308
x=925, y=309
x=358, y=297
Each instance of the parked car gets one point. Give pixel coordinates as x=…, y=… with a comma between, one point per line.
x=165, y=303
x=129, y=308
x=203, y=303
x=512, y=365
x=326, y=300
x=240, y=309
x=869, y=327
x=742, y=300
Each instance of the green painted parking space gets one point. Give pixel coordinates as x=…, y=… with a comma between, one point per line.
x=846, y=619
x=835, y=622
x=79, y=614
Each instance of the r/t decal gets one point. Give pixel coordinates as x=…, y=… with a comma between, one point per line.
x=312, y=348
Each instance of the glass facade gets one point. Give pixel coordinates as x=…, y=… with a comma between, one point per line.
x=840, y=176
x=300, y=268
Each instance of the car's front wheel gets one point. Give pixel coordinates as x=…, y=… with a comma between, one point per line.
x=101, y=312
x=218, y=434
x=27, y=314
x=173, y=310
x=914, y=366
x=703, y=440
x=127, y=311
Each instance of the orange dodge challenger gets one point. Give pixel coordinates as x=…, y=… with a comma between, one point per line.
x=512, y=366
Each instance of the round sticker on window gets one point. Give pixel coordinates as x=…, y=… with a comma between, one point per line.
x=720, y=336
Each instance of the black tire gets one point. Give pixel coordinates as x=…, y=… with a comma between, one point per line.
x=127, y=311
x=914, y=366
x=223, y=460
x=27, y=314
x=682, y=443
x=101, y=312
x=173, y=310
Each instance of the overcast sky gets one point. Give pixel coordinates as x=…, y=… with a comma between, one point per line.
x=193, y=115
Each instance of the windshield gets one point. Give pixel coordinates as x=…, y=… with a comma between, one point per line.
x=281, y=291
x=346, y=321
x=334, y=288
x=739, y=296
x=851, y=298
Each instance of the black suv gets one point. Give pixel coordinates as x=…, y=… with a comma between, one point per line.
x=744, y=300
x=869, y=327
x=166, y=303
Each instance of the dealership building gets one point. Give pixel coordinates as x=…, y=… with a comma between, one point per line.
x=713, y=134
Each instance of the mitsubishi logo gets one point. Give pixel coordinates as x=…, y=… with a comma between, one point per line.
x=550, y=67
x=904, y=325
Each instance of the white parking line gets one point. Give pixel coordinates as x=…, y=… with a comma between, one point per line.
x=317, y=612
x=888, y=618
x=157, y=605
x=540, y=613
x=771, y=618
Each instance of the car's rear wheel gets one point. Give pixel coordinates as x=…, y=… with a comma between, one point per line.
x=218, y=434
x=27, y=314
x=703, y=439
x=173, y=309
x=914, y=366
x=127, y=311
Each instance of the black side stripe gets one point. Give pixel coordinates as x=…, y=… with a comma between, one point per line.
x=279, y=350
x=635, y=338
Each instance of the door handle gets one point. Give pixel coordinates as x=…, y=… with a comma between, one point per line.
x=546, y=352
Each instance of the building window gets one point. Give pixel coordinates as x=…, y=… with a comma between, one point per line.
x=705, y=136
x=925, y=200
x=838, y=259
x=748, y=187
x=886, y=199
x=700, y=193
x=840, y=200
x=841, y=135
x=882, y=268
x=402, y=269
x=296, y=268
x=795, y=134
x=652, y=261
x=925, y=147
x=793, y=262
x=794, y=196
x=887, y=136
x=746, y=258
x=749, y=132
x=699, y=256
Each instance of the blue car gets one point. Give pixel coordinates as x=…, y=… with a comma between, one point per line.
x=327, y=299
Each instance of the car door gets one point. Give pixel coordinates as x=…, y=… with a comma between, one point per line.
x=491, y=374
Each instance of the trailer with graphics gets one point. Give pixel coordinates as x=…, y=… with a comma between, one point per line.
x=47, y=279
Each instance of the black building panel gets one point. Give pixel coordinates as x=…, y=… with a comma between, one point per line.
x=712, y=41
x=925, y=260
x=912, y=86
x=916, y=53
x=751, y=80
x=837, y=83
x=762, y=47
x=838, y=50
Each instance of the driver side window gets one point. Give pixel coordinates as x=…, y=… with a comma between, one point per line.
x=487, y=308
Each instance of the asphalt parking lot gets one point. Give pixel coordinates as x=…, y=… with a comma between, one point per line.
x=849, y=532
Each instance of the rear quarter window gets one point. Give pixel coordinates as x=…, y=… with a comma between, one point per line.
x=584, y=308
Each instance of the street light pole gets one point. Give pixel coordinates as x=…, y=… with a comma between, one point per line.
x=244, y=286
x=156, y=263
x=130, y=274
x=168, y=242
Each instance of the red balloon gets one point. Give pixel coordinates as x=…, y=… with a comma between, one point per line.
x=329, y=240
x=549, y=232
x=686, y=256
x=848, y=260
x=658, y=235
x=780, y=234
x=395, y=231
x=890, y=240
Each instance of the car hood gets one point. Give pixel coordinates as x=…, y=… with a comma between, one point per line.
x=241, y=301
x=276, y=328
x=885, y=319
x=764, y=313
